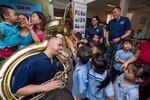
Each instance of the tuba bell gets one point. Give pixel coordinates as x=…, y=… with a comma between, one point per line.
x=8, y=69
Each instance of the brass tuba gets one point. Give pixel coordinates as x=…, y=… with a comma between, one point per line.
x=8, y=69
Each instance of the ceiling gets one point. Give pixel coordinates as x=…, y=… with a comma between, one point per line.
x=100, y=6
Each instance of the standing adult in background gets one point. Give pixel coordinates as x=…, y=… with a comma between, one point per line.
x=118, y=29
x=95, y=29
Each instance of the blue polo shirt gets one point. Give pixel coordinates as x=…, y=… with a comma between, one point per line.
x=94, y=80
x=80, y=80
x=36, y=70
x=117, y=28
x=11, y=35
x=125, y=91
x=92, y=31
x=123, y=56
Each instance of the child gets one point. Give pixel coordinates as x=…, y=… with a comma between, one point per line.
x=78, y=36
x=80, y=72
x=99, y=48
x=86, y=41
x=37, y=26
x=126, y=86
x=121, y=57
x=96, y=38
x=9, y=30
x=74, y=48
x=99, y=83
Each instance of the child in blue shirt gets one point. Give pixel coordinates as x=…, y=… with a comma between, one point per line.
x=10, y=35
x=80, y=72
x=99, y=83
x=121, y=57
x=126, y=86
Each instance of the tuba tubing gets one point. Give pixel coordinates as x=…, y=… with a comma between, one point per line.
x=10, y=65
x=57, y=77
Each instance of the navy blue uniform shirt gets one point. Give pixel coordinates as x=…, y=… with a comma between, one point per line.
x=92, y=31
x=117, y=28
x=36, y=70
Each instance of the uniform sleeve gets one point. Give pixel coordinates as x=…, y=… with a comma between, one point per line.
x=101, y=33
x=128, y=24
x=23, y=77
x=108, y=27
x=117, y=54
x=131, y=54
x=82, y=76
x=109, y=90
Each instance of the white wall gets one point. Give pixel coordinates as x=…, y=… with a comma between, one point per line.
x=102, y=16
x=136, y=18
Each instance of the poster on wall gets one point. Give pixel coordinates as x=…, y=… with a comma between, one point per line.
x=79, y=22
x=22, y=7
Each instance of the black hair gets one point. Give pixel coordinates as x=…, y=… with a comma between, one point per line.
x=97, y=35
x=84, y=54
x=100, y=64
x=101, y=48
x=88, y=43
x=78, y=35
x=58, y=94
x=117, y=7
x=97, y=18
x=143, y=71
x=82, y=43
x=43, y=19
x=4, y=10
x=99, y=61
x=127, y=40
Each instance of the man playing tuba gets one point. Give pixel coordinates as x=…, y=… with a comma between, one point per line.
x=38, y=69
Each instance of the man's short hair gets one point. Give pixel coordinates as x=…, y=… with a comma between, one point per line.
x=117, y=7
x=84, y=54
x=58, y=94
x=4, y=10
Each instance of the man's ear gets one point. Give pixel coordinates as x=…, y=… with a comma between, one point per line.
x=50, y=42
x=139, y=80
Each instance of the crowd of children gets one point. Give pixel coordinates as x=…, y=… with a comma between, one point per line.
x=93, y=79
